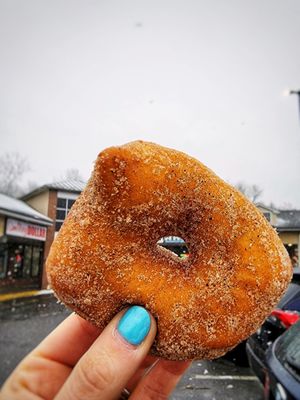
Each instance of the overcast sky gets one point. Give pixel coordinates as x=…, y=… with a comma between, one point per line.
x=204, y=77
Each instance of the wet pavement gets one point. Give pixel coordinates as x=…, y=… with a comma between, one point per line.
x=218, y=380
x=25, y=322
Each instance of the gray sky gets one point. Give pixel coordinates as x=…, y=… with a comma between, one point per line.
x=204, y=77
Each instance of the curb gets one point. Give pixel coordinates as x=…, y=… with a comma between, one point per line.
x=28, y=293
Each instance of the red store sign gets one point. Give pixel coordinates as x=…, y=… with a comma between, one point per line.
x=22, y=229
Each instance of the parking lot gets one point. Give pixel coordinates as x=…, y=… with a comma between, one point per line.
x=24, y=322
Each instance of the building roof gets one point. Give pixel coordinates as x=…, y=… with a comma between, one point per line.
x=11, y=207
x=288, y=220
x=67, y=185
x=267, y=208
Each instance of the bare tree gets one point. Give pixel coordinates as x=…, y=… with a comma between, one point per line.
x=253, y=192
x=273, y=205
x=12, y=169
x=242, y=187
x=73, y=173
x=287, y=206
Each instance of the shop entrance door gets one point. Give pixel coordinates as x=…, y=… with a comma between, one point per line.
x=15, y=261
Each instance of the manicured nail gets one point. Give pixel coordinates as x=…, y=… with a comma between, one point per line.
x=135, y=324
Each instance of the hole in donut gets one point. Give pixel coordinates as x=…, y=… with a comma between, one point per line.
x=176, y=245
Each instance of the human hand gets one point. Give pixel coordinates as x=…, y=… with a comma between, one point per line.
x=77, y=361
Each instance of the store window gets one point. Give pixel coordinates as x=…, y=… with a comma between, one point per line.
x=3, y=257
x=293, y=251
x=16, y=261
x=20, y=261
x=267, y=216
x=27, y=256
x=36, y=261
x=63, y=207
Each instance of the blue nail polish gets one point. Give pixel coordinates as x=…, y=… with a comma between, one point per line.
x=135, y=324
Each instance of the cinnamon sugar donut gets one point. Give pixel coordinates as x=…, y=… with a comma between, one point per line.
x=106, y=256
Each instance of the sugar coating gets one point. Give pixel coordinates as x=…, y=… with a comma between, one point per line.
x=106, y=256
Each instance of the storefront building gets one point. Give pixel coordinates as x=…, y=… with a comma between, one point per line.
x=23, y=233
x=287, y=225
x=54, y=200
x=288, y=228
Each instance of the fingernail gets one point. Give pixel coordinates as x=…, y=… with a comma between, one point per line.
x=135, y=324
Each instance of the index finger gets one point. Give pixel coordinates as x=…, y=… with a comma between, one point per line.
x=69, y=341
x=113, y=359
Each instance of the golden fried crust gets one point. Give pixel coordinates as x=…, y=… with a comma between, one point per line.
x=106, y=257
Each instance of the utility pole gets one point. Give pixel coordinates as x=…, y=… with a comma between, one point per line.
x=297, y=93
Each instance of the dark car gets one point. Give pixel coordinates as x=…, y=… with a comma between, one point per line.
x=274, y=326
x=281, y=319
x=282, y=381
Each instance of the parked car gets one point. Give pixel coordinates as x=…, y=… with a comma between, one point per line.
x=281, y=319
x=274, y=326
x=282, y=381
